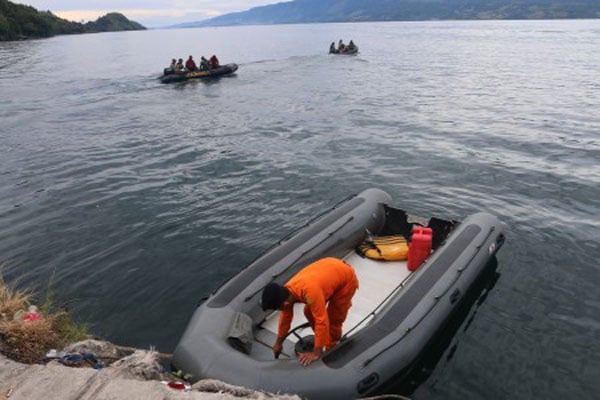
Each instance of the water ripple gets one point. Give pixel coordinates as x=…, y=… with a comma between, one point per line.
x=132, y=200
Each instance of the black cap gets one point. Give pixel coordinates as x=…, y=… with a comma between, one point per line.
x=273, y=296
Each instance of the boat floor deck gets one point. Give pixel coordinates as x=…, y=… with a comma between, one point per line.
x=376, y=279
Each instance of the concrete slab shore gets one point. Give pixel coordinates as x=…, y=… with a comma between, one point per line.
x=125, y=374
x=55, y=381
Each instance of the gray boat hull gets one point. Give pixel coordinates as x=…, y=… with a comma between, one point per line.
x=367, y=359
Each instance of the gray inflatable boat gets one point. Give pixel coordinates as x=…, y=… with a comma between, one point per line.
x=395, y=313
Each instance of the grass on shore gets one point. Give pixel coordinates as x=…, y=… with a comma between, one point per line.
x=28, y=341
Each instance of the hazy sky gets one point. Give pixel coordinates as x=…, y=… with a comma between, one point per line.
x=150, y=13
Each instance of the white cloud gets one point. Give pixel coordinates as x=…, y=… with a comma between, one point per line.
x=147, y=12
x=139, y=14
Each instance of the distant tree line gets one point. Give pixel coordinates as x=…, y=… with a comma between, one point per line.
x=19, y=22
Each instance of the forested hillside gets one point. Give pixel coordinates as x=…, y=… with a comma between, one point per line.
x=305, y=11
x=19, y=22
x=113, y=22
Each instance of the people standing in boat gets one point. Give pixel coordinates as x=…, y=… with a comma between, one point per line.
x=341, y=46
x=179, y=66
x=326, y=288
x=190, y=64
x=332, y=49
x=204, y=64
x=214, y=62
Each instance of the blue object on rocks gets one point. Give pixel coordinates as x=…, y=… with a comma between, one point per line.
x=78, y=359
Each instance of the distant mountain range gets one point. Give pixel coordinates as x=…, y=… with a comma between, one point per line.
x=307, y=11
x=19, y=22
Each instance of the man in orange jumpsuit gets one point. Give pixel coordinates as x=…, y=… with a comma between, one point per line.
x=326, y=288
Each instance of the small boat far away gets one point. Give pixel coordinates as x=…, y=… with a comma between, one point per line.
x=413, y=274
x=345, y=52
x=223, y=70
x=343, y=49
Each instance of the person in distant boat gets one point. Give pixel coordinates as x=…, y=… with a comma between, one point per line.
x=171, y=68
x=204, y=64
x=341, y=46
x=326, y=288
x=214, y=62
x=332, y=49
x=351, y=47
x=190, y=64
x=179, y=66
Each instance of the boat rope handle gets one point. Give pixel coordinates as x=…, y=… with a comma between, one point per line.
x=312, y=220
x=330, y=234
x=372, y=313
x=371, y=242
x=293, y=331
x=285, y=238
x=250, y=296
x=436, y=301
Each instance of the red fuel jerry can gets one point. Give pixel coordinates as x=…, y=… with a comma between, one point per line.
x=420, y=246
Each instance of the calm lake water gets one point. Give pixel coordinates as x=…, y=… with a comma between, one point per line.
x=129, y=200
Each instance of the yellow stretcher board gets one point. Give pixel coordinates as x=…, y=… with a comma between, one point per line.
x=388, y=248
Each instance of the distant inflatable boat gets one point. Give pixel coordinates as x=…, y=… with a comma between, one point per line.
x=345, y=52
x=399, y=307
x=170, y=76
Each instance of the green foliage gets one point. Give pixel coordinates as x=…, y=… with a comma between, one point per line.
x=68, y=330
x=4, y=27
x=112, y=22
x=63, y=325
x=28, y=341
x=24, y=22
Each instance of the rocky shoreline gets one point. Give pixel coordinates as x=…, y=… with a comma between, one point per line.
x=45, y=355
x=116, y=373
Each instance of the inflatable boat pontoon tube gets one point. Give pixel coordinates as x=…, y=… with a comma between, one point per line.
x=395, y=312
x=170, y=77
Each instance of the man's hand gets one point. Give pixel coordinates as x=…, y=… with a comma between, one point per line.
x=277, y=347
x=307, y=358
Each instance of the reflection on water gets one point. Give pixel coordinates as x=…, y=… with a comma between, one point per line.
x=446, y=342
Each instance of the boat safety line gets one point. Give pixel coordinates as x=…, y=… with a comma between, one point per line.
x=460, y=270
x=406, y=332
x=269, y=346
x=372, y=313
x=286, y=237
x=436, y=300
x=298, y=259
x=313, y=220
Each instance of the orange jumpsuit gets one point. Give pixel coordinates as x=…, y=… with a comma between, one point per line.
x=326, y=288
